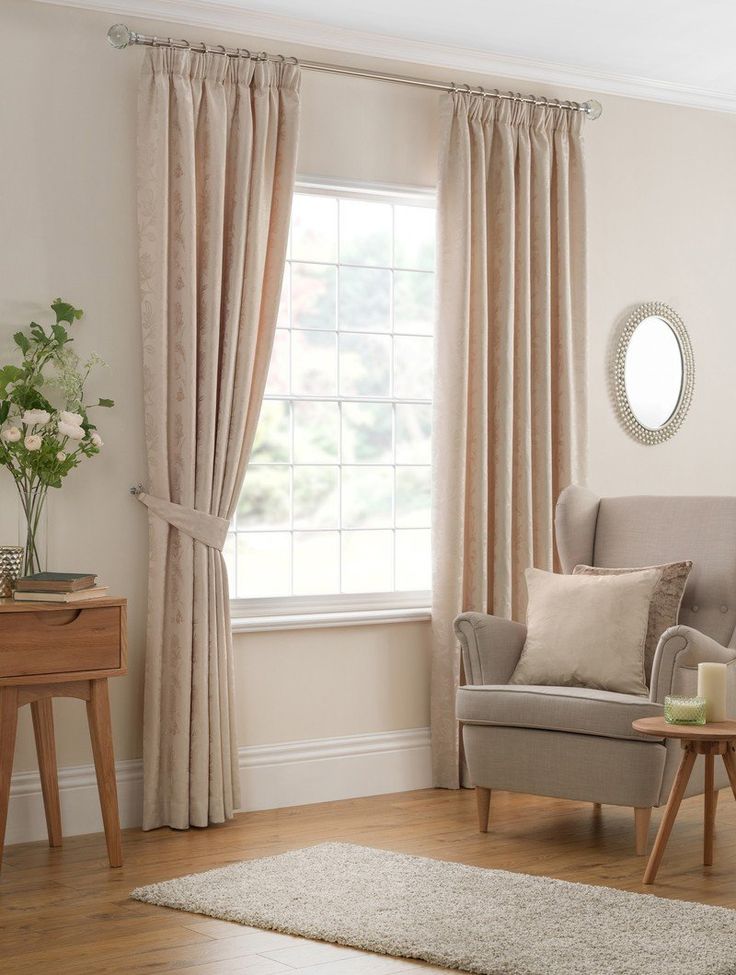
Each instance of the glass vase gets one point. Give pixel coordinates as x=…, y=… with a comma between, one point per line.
x=32, y=534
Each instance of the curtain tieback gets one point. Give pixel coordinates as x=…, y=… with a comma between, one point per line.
x=203, y=527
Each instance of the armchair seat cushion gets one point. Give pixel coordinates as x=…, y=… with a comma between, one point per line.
x=578, y=710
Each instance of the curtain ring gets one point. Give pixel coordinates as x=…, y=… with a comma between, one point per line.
x=468, y=90
x=243, y=52
x=481, y=91
x=281, y=59
x=156, y=42
x=223, y=49
x=186, y=44
x=453, y=89
x=263, y=56
x=293, y=60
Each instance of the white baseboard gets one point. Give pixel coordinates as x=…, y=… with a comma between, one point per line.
x=271, y=776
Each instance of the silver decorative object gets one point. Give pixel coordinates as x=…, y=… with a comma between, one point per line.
x=11, y=559
x=634, y=424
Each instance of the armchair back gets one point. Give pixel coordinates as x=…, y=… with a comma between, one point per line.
x=648, y=530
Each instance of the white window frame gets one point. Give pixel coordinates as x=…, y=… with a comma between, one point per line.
x=340, y=609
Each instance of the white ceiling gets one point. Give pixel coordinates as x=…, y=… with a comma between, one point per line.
x=683, y=42
x=680, y=51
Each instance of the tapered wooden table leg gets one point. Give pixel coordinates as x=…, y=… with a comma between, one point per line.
x=673, y=804
x=710, y=810
x=43, y=730
x=8, y=726
x=728, y=761
x=100, y=730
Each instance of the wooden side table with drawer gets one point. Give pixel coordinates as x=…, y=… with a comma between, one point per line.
x=52, y=650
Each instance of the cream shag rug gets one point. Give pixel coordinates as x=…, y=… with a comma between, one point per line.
x=487, y=921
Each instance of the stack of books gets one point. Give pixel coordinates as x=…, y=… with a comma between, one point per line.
x=58, y=587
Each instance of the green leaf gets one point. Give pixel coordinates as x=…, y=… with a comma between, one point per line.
x=4, y=410
x=60, y=334
x=106, y=402
x=66, y=312
x=9, y=374
x=22, y=342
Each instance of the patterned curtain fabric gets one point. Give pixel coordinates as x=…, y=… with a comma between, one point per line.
x=217, y=141
x=510, y=413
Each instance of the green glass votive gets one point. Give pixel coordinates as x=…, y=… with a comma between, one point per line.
x=684, y=710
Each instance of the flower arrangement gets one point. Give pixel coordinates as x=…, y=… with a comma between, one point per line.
x=41, y=443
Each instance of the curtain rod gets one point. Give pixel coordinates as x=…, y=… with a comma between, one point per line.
x=121, y=37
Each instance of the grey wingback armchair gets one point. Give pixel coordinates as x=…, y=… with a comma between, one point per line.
x=578, y=743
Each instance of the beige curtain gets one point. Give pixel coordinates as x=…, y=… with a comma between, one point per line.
x=509, y=418
x=216, y=159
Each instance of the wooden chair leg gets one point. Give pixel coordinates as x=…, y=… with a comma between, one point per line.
x=728, y=761
x=710, y=809
x=673, y=804
x=642, y=816
x=100, y=730
x=43, y=730
x=8, y=726
x=483, y=799
x=597, y=808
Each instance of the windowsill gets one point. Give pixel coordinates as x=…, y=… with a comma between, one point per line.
x=307, y=621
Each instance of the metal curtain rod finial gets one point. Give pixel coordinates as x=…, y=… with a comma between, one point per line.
x=120, y=36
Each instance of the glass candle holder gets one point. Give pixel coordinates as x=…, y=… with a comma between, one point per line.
x=684, y=710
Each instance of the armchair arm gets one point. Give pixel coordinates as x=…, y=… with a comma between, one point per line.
x=675, y=668
x=491, y=647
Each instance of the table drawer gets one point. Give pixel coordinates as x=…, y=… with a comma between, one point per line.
x=65, y=640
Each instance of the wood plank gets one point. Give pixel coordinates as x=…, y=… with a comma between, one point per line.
x=57, y=900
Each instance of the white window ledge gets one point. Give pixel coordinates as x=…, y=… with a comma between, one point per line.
x=306, y=621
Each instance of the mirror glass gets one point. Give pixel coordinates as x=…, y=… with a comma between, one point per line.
x=654, y=372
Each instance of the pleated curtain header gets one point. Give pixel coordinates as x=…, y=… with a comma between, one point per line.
x=219, y=69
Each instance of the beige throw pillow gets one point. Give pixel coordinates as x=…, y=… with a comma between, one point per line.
x=587, y=630
x=664, y=611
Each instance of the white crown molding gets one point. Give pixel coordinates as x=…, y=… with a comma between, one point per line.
x=229, y=16
x=292, y=773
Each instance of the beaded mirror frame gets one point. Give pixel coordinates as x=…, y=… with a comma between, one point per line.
x=631, y=424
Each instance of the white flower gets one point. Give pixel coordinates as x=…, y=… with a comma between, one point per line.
x=36, y=418
x=96, y=439
x=70, y=430
x=11, y=434
x=61, y=456
x=33, y=442
x=73, y=419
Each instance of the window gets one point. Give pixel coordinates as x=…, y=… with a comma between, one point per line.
x=336, y=500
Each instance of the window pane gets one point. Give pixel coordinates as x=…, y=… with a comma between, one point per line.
x=365, y=233
x=316, y=563
x=365, y=299
x=272, y=442
x=413, y=560
x=283, y=315
x=316, y=432
x=264, y=564
x=367, y=433
x=265, y=501
x=314, y=363
x=313, y=291
x=367, y=497
x=278, y=370
x=365, y=365
x=313, y=228
x=414, y=233
x=413, y=433
x=413, y=497
x=413, y=302
x=315, y=497
x=413, y=367
x=367, y=559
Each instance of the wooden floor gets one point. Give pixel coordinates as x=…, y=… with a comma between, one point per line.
x=64, y=912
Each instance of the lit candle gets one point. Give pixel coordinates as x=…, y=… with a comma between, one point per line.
x=712, y=687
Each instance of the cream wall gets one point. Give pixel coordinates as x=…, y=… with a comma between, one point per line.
x=662, y=209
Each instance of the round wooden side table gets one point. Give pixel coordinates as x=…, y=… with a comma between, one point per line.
x=709, y=740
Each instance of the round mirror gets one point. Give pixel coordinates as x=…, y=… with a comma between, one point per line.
x=653, y=373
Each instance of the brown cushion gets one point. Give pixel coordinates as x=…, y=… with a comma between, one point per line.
x=665, y=606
